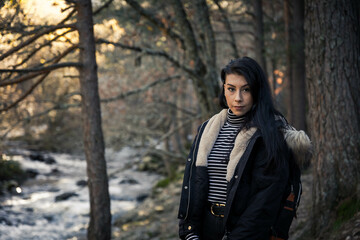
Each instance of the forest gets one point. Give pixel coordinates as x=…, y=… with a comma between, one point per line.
x=100, y=101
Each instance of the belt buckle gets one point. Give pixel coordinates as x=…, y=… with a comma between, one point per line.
x=217, y=205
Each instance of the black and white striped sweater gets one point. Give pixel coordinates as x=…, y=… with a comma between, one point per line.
x=219, y=157
x=218, y=160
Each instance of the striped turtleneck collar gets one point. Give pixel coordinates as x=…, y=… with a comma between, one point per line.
x=235, y=120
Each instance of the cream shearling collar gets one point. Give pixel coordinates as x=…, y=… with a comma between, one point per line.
x=209, y=137
x=297, y=141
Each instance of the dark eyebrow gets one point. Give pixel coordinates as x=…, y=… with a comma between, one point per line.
x=246, y=85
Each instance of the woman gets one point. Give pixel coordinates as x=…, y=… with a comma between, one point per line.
x=238, y=166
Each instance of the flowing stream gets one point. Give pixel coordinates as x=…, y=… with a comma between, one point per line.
x=34, y=213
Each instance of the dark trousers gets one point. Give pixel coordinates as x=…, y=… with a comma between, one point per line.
x=213, y=228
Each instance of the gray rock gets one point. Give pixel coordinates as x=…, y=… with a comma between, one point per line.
x=65, y=196
x=81, y=183
x=128, y=181
x=31, y=173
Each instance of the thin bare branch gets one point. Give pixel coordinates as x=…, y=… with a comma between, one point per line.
x=43, y=69
x=67, y=8
x=173, y=105
x=102, y=7
x=68, y=16
x=171, y=132
x=26, y=119
x=35, y=74
x=39, y=28
x=26, y=94
x=139, y=90
x=20, y=79
x=47, y=43
x=71, y=76
x=35, y=37
x=31, y=89
x=167, y=30
x=150, y=52
x=237, y=32
x=251, y=14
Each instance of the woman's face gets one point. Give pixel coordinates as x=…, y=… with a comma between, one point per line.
x=237, y=94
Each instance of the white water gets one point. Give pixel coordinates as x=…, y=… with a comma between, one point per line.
x=34, y=214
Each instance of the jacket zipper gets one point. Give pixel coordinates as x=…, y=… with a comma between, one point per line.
x=192, y=164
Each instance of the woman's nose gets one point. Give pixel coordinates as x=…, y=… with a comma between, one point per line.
x=238, y=97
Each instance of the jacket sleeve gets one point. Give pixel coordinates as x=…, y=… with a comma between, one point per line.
x=189, y=224
x=258, y=217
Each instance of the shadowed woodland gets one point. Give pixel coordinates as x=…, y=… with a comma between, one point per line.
x=82, y=76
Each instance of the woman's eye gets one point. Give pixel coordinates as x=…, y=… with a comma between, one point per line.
x=246, y=89
x=231, y=89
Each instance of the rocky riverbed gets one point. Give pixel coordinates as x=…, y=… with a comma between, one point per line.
x=54, y=203
x=156, y=217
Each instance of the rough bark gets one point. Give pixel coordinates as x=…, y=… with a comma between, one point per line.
x=203, y=62
x=207, y=37
x=295, y=74
x=210, y=78
x=332, y=30
x=228, y=27
x=100, y=216
x=259, y=34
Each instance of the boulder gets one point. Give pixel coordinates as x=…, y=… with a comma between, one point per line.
x=37, y=157
x=49, y=160
x=128, y=181
x=81, y=183
x=42, y=158
x=31, y=173
x=65, y=196
x=142, y=197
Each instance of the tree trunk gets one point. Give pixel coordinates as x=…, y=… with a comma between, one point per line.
x=333, y=84
x=100, y=216
x=205, y=77
x=288, y=81
x=259, y=34
x=294, y=30
x=228, y=27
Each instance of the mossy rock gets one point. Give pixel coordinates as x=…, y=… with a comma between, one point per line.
x=152, y=163
x=11, y=170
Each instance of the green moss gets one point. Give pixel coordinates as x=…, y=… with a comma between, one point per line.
x=11, y=170
x=345, y=211
x=163, y=183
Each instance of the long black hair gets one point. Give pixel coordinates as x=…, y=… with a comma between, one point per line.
x=262, y=114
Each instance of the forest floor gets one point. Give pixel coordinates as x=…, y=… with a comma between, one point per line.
x=156, y=217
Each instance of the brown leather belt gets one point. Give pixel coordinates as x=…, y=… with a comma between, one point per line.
x=217, y=209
